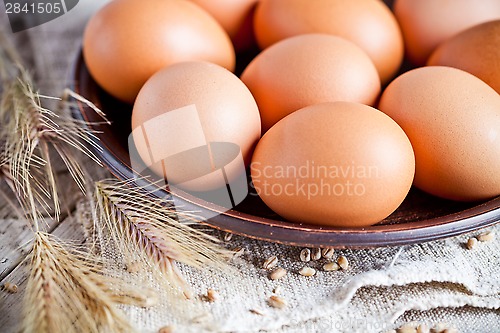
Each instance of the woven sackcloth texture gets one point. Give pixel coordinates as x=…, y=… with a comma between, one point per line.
x=383, y=288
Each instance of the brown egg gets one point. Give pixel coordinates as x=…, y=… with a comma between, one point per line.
x=127, y=41
x=309, y=69
x=452, y=119
x=428, y=23
x=197, y=117
x=367, y=23
x=235, y=16
x=335, y=164
x=475, y=50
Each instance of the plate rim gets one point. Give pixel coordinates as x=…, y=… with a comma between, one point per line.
x=481, y=216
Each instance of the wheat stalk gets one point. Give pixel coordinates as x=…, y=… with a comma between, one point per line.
x=68, y=292
x=8, y=57
x=67, y=289
x=139, y=223
x=29, y=133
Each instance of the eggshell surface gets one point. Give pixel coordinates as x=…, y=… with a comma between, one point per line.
x=367, y=23
x=452, y=119
x=476, y=50
x=335, y=164
x=191, y=105
x=127, y=41
x=235, y=16
x=427, y=23
x=309, y=69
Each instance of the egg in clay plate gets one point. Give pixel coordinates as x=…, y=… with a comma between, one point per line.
x=369, y=24
x=428, y=23
x=236, y=17
x=127, y=41
x=309, y=69
x=452, y=119
x=191, y=120
x=323, y=94
x=475, y=50
x=334, y=164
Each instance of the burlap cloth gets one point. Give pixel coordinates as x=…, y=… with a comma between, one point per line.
x=434, y=282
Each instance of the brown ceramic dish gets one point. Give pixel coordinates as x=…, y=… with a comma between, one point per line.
x=420, y=218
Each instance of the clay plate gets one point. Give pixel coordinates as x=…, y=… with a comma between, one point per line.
x=420, y=218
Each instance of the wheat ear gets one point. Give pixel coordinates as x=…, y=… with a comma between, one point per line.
x=67, y=289
x=68, y=292
x=30, y=133
x=139, y=223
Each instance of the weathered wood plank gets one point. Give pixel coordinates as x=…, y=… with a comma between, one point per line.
x=15, y=236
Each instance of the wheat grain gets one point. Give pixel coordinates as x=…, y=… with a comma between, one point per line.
x=307, y=271
x=277, y=302
x=166, y=329
x=327, y=253
x=270, y=262
x=331, y=266
x=423, y=328
x=471, y=243
x=316, y=254
x=212, y=295
x=343, y=262
x=278, y=273
x=10, y=287
x=486, y=236
x=305, y=255
x=227, y=236
x=257, y=312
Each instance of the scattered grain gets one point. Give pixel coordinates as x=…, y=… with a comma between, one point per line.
x=328, y=253
x=307, y=271
x=228, y=236
x=305, y=255
x=316, y=254
x=423, y=328
x=406, y=329
x=10, y=287
x=188, y=294
x=331, y=266
x=238, y=252
x=450, y=330
x=343, y=262
x=202, y=318
x=166, y=329
x=133, y=267
x=486, y=236
x=270, y=262
x=277, y=302
x=212, y=295
x=471, y=243
x=149, y=301
x=439, y=328
x=257, y=312
x=278, y=273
